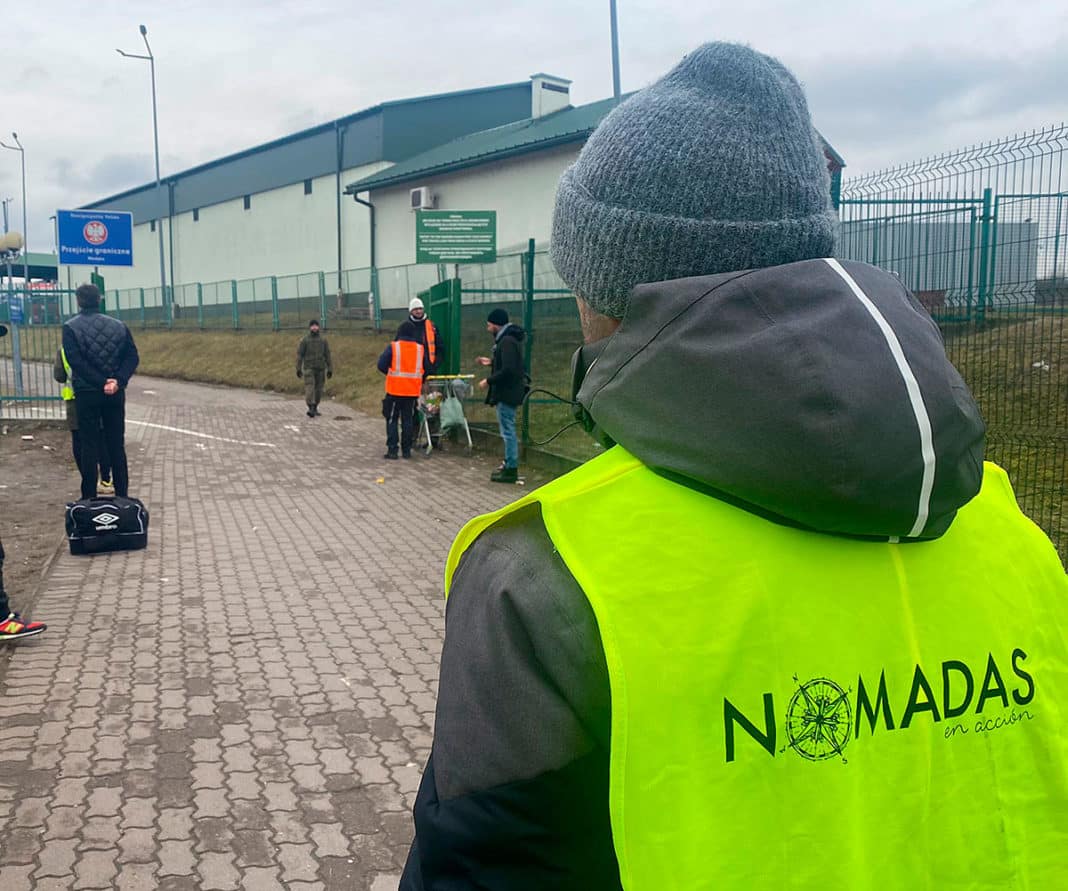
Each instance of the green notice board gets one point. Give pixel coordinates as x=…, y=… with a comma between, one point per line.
x=456, y=236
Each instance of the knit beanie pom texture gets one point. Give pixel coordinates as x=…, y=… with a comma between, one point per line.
x=713, y=168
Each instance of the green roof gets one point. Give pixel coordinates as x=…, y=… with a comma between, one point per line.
x=533, y=134
x=559, y=128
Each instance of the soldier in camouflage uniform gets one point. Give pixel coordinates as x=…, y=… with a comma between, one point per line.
x=313, y=362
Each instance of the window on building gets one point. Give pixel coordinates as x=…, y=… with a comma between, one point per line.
x=307, y=186
x=196, y=214
x=151, y=225
x=248, y=202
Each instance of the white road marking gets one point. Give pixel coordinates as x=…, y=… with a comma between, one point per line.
x=265, y=445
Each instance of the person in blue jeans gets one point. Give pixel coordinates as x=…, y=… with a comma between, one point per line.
x=506, y=387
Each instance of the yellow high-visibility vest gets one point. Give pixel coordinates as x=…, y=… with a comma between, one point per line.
x=66, y=391
x=793, y=710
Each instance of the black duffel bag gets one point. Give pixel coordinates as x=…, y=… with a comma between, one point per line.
x=106, y=524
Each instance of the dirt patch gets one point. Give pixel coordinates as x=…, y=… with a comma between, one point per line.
x=37, y=478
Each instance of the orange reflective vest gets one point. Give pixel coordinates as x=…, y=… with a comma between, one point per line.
x=405, y=377
x=431, y=343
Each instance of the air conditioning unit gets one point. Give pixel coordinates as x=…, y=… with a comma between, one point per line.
x=422, y=199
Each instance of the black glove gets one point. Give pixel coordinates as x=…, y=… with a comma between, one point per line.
x=329, y=375
x=300, y=373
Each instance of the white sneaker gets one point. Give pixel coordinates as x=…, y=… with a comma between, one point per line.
x=105, y=488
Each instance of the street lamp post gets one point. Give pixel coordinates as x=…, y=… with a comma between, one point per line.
x=16, y=350
x=17, y=147
x=151, y=59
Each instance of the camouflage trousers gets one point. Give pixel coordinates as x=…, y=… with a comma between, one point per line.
x=313, y=385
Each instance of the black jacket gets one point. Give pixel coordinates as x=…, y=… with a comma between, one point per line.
x=98, y=347
x=507, y=380
x=439, y=344
x=773, y=389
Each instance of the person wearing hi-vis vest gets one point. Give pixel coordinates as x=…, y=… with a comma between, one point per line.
x=787, y=630
x=62, y=373
x=403, y=362
x=429, y=336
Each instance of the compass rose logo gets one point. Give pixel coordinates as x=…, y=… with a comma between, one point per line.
x=819, y=720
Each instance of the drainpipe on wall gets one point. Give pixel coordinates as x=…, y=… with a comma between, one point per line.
x=170, y=243
x=339, y=139
x=374, y=308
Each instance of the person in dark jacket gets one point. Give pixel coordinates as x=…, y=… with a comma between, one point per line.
x=792, y=464
x=315, y=365
x=12, y=625
x=429, y=335
x=62, y=375
x=103, y=357
x=404, y=362
x=505, y=387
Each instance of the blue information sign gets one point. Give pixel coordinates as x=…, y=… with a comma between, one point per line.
x=14, y=308
x=95, y=237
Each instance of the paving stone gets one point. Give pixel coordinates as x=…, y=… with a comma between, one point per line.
x=95, y=869
x=16, y=878
x=217, y=871
x=56, y=858
x=176, y=858
x=137, y=877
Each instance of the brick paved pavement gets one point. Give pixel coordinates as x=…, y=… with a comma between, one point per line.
x=248, y=702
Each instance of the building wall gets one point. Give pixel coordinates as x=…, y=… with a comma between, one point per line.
x=522, y=191
x=283, y=232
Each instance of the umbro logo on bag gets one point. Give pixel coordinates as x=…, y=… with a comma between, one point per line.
x=105, y=522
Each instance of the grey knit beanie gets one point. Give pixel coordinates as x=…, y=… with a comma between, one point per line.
x=713, y=168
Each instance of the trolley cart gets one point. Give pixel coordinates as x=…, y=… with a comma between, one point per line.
x=439, y=390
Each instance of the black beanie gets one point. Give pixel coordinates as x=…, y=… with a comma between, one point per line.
x=497, y=317
x=408, y=330
x=313, y=322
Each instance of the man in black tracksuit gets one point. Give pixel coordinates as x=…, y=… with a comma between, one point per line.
x=103, y=357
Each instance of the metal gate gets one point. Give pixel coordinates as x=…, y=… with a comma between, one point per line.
x=34, y=320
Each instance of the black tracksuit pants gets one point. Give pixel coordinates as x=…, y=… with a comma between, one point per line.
x=399, y=408
x=102, y=419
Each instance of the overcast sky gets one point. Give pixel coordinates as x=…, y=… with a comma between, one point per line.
x=887, y=82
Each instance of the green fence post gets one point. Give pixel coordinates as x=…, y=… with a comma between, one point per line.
x=985, y=230
x=200, y=305
x=144, y=322
x=322, y=300
x=118, y=306
x=376, y=300
x=456, y=326
x=276, y=322
x=528, y=323
x=233, y=303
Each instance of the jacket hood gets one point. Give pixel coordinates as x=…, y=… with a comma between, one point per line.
x=511, y=330
x=817, y=392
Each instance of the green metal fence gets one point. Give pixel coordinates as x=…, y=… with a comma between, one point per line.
x=27, y=388
x=980, y=235
x=357, y=298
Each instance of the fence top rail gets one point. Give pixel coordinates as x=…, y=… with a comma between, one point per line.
x=971, y=159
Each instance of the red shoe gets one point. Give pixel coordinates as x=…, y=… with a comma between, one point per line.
x=13, y=628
